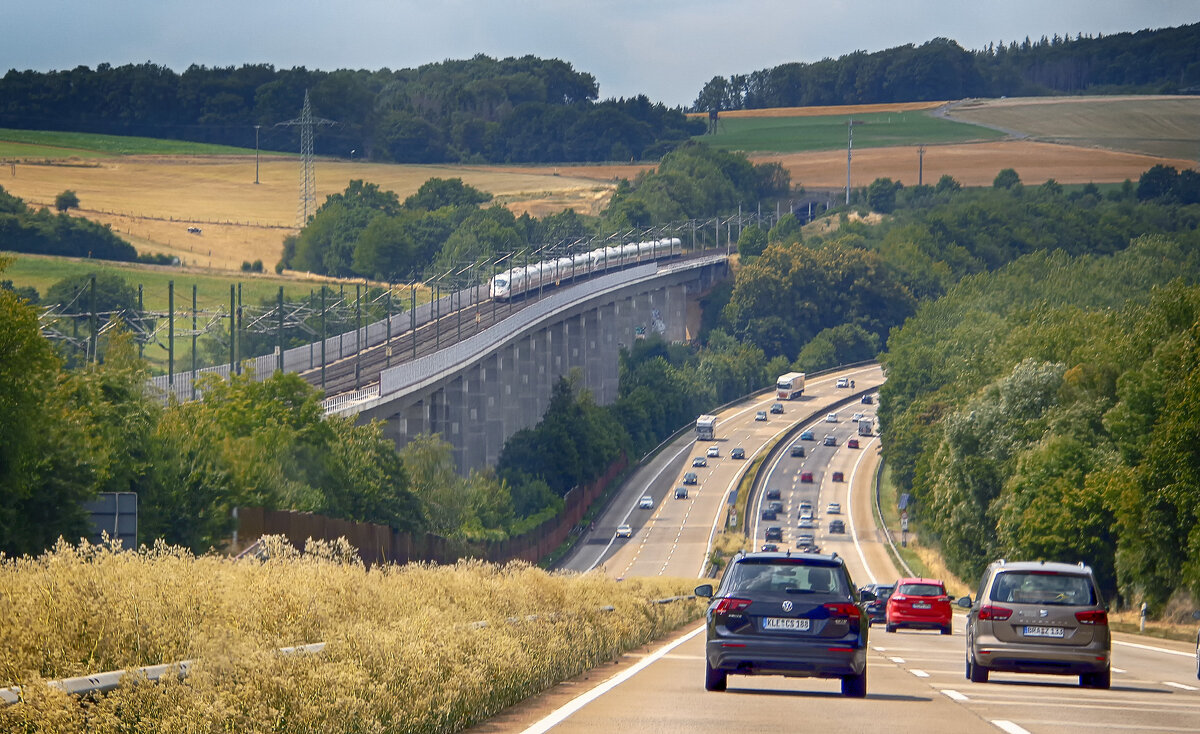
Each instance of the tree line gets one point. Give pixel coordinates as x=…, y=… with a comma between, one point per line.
x=481, y=109
x=1159, y=61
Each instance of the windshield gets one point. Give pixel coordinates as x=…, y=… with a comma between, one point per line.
x=786, y=576
x=501, y=282
x=1043, y=587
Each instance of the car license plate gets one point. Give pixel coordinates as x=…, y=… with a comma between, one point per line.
x=921, y=605
x=785, y=623
x=1043, y=631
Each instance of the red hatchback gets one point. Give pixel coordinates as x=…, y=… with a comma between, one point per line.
x=919, y=603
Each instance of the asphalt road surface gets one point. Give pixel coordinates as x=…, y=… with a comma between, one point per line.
x=916, y=680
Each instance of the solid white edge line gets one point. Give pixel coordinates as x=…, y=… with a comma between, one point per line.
x=1009, y=727
x=1151, y=648
x=559, y=715
x=624, y=520
x=850, y=506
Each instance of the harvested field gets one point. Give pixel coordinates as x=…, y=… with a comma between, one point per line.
x=973, y=164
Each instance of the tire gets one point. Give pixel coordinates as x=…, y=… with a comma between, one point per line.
x=976, y=672
x=948, y=629
x=714, y=680
x=890, y=627
x=1102, y=680
x=855, y=686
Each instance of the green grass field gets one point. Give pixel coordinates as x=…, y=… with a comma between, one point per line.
x=36, y=144
x=876, y=130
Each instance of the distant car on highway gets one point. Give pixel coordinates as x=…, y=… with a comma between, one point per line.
x=714, y=452
x=797, y=450
x=624, y=531
x=843, y=382
x=920, y=603
x=838, y=476
x=831, y=418
x=806, y=525
x=773, y=493
x=830, y=440
x=837, y=527
x=856, y=417
x=877, y=607
x=774, y=533
x=738, y=453
x=699, y=461
x=769, y=514
x=646, y=502
x=776, y=407
x=833, y=508
x=806, y=476
x=852, y=443
x=867, y=400
x=689, y=478
x=760, y=415
x=681, y=493
x=806, y=436
x=769, y=548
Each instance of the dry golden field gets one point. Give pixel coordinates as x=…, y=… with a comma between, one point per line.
x=153, y=200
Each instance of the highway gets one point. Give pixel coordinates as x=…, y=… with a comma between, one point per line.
x=916, y=680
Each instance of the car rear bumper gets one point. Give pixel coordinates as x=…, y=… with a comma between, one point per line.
x=817, y=659
x=1053, y=659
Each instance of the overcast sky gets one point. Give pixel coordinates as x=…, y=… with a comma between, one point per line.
x=665, y=49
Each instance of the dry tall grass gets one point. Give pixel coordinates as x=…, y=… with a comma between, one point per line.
x=404, y=648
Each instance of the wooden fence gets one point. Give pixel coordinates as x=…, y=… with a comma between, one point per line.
x=382, y=544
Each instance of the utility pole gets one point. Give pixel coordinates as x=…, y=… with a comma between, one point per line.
x=849, y=148
x=256, y=129
x=920, y=164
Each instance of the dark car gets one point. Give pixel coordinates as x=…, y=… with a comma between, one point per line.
x=699, y=461
x=772, y=494
x=738, y=453
x=806, y=436
x=792, y=615
x=769, y=514
x=689, y=478
x=769, y=547
x=830, y=440
x=838, y=476
x=837, y=527
x=867, y=400
x=797, y=450
x=774, y=533
x=877, y=607
x=776, y=505
x=776, y=407
x=681, y=493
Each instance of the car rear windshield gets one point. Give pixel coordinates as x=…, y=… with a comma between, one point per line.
x=794, y=576
x=922, y=590
x=1044, y=587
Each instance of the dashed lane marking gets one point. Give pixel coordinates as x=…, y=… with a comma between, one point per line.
x=954, y=695
x=1180, y=686
x=1009, y=727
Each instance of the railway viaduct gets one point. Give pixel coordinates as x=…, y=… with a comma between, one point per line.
x=479, y=391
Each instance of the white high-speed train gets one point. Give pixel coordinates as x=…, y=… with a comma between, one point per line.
x=516, y=281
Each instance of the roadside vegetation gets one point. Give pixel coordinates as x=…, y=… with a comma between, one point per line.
x=416, y=648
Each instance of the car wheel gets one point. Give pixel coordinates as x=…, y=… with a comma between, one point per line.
x=855, y=686
x=1102, y=679
x=714, y=680
x=976, y=672
x=890, y=627
x=948, y=629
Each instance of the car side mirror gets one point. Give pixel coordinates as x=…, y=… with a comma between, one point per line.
x=948, y=598
x=965, y=602
x=704, y=590
x=867, y=596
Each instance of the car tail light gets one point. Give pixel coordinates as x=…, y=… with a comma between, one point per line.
x=993, y=612
x=1096, y=616
x=731, y=604
x=842, y=609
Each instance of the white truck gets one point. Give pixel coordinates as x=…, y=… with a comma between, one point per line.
x=789, y=386
x=706, y=428
x=866, y=426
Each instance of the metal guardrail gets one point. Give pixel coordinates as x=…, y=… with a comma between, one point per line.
x=887, y=532
x=105, y=682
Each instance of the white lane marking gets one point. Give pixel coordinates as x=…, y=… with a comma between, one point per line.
x=898, y=661
x=1152, y=649
x=878, y=649
x=1009, y=727
x=1118, y=670
x=954, y=695
x=850, y=506
x=559, y=715
x=1180, y=686
x=1058, y=725
x=919, y=673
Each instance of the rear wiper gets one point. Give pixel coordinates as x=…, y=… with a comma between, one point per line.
x=795, y=590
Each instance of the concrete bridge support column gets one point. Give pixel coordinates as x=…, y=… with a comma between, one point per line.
x=497, y=391
x=528, y=382
x=675, y=313
x=475, y=415
x=455, y=412
x=575, y=347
